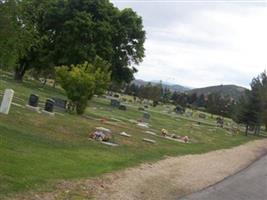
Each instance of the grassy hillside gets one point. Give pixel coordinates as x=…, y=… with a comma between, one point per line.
x=37, y=150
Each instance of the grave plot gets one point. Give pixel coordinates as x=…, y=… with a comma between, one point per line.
x=149, y=140
x=104, y=135
x=125, y=134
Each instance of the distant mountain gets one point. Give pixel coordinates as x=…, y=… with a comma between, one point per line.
x=225, y=90
x=233, y=91
x=170, y=86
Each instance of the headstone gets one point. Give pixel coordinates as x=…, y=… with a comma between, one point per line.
x=125, y=134
x=122, y=107
x=146, y=116
x=220, y=121
x=151, y=133
x=143, y=125
x=49, y=105
x=60, y=104
x=33, y=100
x=149, y=140
x=179, y=109
x=114, y=102
x=189, y=114
x=110, y=144
x=202, y=115
x=141, y=109
x=7, y=100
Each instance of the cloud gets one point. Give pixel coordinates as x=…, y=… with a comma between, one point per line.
x=202, y=45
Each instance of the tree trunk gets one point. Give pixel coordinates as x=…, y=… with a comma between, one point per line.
x=255, y=130
x=247, y=130
x=19, y=72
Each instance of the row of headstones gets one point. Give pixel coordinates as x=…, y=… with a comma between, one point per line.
x=32, y=103
x=49, y=104
x=116, y=103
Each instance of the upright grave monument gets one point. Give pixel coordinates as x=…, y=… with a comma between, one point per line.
x=7, y=100
x=60, y=104
x=146, y=117
x=49, y=107
x=33, y=102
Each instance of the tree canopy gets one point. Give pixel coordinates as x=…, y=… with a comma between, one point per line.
x=65, y=32
x=251, y=109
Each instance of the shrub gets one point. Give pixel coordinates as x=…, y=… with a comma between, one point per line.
x=82, y=81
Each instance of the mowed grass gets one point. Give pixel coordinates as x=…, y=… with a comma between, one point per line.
x=37, y=151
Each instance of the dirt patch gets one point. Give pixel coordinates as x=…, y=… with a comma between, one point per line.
x=165, y=179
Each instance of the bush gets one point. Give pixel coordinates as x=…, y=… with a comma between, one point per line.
x=82, y=81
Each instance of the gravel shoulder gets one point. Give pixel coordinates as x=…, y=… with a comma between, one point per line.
x=165, y=179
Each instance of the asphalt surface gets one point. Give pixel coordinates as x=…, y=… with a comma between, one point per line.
x=249, y=184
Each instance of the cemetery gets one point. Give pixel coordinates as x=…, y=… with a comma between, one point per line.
x=35, y=128
x=131, y=100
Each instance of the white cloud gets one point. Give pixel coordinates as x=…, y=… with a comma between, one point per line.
x=203, y=45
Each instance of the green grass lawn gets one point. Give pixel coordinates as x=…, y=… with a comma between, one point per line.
x=37, y=151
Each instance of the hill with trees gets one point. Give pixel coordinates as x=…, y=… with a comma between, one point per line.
x=171, y=87
x=233, y=91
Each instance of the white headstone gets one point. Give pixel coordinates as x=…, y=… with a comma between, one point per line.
x=7, y=100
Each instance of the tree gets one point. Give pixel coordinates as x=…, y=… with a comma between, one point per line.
x=128, y=45
x=82, y=81
x=201, y=101
x=75, y=31
x=243, y=114
x=192, y=98
x=251, y=108
x=256, y=105
x=263, y=89
x=8, y=34
x=180, y=99
x=29, y=42
x=166, y=96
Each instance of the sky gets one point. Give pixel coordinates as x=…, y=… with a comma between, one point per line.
x=198, y=43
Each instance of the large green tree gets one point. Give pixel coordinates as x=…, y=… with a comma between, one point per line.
x=8, y=33
x=74, y=31
x=252, y=107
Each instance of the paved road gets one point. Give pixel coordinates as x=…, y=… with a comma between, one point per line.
x=249, y=184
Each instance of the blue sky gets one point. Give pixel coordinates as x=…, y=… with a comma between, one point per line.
x=199, y=43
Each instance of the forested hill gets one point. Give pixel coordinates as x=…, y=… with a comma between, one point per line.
x=225, y=90
x=172, y=87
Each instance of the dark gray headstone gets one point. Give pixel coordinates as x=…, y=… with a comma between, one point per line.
x=60, y=103
x=114, y=102
x=33, y=100
x=141, y=109
x=146, y=116
x=49, y=105
x=179, y=109
x=122, y=107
